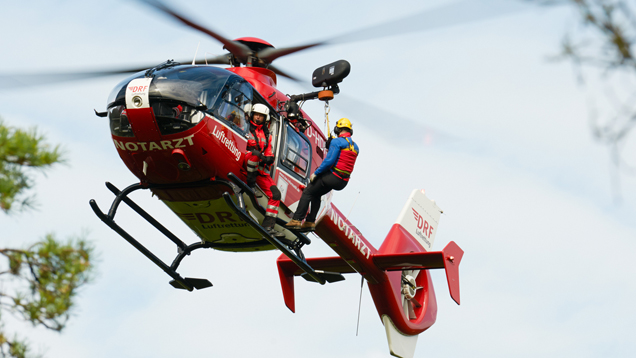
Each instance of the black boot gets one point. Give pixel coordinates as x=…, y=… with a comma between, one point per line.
x=251, y=179
x=268, y=225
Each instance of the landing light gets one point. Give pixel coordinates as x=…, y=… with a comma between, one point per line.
x=182, y=161
x=137, y=101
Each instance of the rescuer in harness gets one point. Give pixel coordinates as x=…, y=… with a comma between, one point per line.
x=332, y=174
x=258, y=160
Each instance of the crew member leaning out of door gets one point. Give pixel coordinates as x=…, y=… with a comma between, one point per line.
x=258, y=161
x=332, y=174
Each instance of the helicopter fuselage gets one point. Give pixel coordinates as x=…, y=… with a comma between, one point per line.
x=179, y=127
x=187, y=124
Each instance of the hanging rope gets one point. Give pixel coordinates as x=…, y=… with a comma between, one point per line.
x=327, y=110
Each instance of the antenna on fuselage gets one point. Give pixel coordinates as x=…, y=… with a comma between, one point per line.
x=194, y=60
x=359, y=304
x=354, y=203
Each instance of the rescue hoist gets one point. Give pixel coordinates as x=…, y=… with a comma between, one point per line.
x=327, y=77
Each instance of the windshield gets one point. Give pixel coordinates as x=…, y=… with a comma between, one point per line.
x=179, y=96
x=191, y=85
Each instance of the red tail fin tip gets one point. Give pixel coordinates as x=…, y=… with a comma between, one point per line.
x=452, y=257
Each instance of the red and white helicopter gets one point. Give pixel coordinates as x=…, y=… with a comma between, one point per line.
x=182, y=130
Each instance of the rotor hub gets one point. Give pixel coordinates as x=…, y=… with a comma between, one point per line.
x=409, y=288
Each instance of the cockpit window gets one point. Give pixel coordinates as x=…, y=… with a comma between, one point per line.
x=296, y=155
x=175, y=117
x=179, y=96
x=119, y=124
x=235, y=104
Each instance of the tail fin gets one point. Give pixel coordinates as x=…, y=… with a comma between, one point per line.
x=448, y=259
x=407, y=248
x=420, y=217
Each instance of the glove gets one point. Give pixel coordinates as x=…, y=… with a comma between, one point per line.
x=257, y=153
x=312, y=178
x=268, y=160
x=328, y=142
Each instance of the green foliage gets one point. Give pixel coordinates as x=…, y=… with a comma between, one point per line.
x=606, y=42
x=611, y=38
x=13, y=348
x=603, y=41
x=21, y=151
x=54, y=272
x=38, y=284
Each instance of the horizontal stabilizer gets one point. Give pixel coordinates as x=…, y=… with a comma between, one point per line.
x=330, y=269
x=331, y=264
x=448, y=259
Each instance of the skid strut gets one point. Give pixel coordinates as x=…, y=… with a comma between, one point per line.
x=236, y=186
x=296, y=255
x=183, y=249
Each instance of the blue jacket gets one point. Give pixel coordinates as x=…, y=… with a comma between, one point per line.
x=336, y=146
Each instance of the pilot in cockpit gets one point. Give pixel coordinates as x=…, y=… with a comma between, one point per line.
x=234, y=118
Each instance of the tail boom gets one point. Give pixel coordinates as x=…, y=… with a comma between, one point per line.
x=397, y=273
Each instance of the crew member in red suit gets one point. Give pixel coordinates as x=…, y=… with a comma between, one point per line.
x=332, y=174
x=258, y=160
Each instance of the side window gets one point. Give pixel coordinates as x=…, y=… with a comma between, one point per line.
x=235, y=104
x=296, y=155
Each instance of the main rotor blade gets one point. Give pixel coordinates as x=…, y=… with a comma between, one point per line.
x=35, y=79
x=238, y=49
x=394, y=127
x=8, y=81
x=281, y=73
x=217, y=60
x=457, y=13
x=270, y=54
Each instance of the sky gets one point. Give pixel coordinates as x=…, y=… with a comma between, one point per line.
x=505, y=150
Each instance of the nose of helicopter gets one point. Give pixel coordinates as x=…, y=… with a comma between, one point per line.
x=152, y=154
x=166, y=127
x=161, y=159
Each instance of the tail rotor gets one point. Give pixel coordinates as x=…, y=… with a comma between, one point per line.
x=409, y=291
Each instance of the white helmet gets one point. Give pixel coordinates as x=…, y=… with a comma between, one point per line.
x=262, y=109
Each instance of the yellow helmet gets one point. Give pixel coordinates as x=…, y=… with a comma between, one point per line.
x=344, y=123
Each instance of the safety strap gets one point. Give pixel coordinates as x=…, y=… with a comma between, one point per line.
x=351, y=147
x=258, y=146
x=343, y=172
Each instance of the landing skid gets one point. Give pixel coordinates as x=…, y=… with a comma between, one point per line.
x=289, y=248
x=296, y=256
